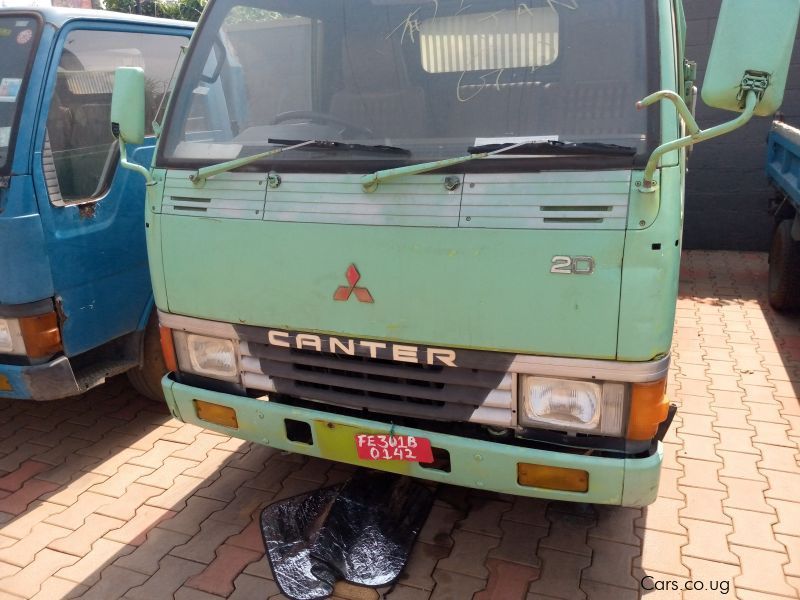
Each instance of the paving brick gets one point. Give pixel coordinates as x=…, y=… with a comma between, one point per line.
x=661, y=551
x=560, y=575
x=671, y=453
x=201, y=547
x=117, y=484
x=14, y=480
x=175, y=497
x=224, y=488
x=88, y=569
x=404, y=592
x=68, y=495
x=21, y=526
x=154, y=458
x=249, y=538
x=94, y=431
x=698, y=425
x=507, y=581
x=75, y=515
x=782, y=485
x=455, y=586
x=72, y=468
x=243, y=507
x=568, y=533
x=19, y=501
x=188, y=593
x=12, y=461
x=611, y=564
x=145, y=559
x=108, y=449
x=791, y=546
x=698, y=447
x=188, y=520
x=185, y=434
x=705, y=505
x=198, y=448
x=468, y=554
x=134, y=531
x=111, y=464
x=79, y=542
x=531, y=511
x=484, y=517
x=23, y=552
x=418, y=571
x=662, y=515
x=769, y=413
x=748, y=495
x=272, y=476
x=616, y=524
x=249, y=587
x=762, y=571
x=701, y=473
x=27, y=581
x=125, y=506
x=602, y=591
x=715, y=577
x=778, y=458
x=65, y=448
x=732, y=418
x=788, y=517
x=171, y=575
x=257, y=456
x=164, y=476
x=55, y=587
x=114, y=583
x=519, y=544
x=696, y=405
x=314, y=469
x=726, y=399
x=708, y=541
x=753, y=529
x=740, y=466
x=217, y=578
x=209, y=468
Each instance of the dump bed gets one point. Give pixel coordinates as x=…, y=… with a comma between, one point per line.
x=783, y=161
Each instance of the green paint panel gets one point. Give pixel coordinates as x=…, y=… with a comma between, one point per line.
x=487, y=289
x=474, y=463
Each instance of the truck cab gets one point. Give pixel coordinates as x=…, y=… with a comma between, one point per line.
x=75, y=293
x=438, y=239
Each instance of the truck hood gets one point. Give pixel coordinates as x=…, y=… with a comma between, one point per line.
x=411, y=262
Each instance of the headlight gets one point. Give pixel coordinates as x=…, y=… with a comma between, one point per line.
x=572, y=405
x=208, y=356
x=11, y=341
x=6, y=342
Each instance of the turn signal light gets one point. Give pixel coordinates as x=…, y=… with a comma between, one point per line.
x=41, y=335
x=552, y=478
x=649, y=408
x=168, y=348
x=216, y=413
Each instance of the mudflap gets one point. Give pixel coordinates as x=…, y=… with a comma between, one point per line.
x=360, y=531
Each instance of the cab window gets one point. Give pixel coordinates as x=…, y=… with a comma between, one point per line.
x=80, y=153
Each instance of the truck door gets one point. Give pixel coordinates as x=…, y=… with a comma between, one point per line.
x=92, y=211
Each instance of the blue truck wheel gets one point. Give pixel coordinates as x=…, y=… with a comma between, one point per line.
x=784, y=268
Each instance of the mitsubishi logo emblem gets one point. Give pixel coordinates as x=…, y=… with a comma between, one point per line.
x=342, y=293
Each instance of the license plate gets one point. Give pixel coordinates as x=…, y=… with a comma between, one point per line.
x=407, y=448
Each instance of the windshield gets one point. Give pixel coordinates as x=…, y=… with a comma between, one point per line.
x=434, y=78
x=18, y=37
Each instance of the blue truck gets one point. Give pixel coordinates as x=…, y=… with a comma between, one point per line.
x=783, y=173
x=76, y=302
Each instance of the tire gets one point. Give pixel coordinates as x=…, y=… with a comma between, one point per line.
x=146, y=378
x=784, y=268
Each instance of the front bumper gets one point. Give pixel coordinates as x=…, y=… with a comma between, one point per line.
x=473, y=463
x=49, y=381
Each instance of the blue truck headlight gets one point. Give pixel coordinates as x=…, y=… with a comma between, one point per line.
x=570, y=405
x=207, y=356
x=11, y=341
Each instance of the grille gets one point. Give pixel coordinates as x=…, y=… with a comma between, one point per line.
x=379, y=385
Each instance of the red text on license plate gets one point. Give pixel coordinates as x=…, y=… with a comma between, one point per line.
x=393, y=447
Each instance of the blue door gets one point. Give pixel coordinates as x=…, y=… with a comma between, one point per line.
x=92, y=211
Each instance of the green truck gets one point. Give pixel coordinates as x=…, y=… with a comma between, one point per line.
x=438, y=238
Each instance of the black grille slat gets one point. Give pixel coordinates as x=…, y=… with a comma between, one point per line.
x=458, y=394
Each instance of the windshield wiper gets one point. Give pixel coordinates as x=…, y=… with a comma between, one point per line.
x=554, y=147
x=370, y=182
x=199, y=177
x=334, y=145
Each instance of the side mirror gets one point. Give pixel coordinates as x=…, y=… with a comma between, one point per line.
x=127, y=115
x=752, y=49
x=127, y=105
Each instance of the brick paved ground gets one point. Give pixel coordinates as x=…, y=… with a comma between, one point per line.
x=106, y=496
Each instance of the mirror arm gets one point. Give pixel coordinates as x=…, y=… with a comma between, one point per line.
x=696, y=135
x=125, y=163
